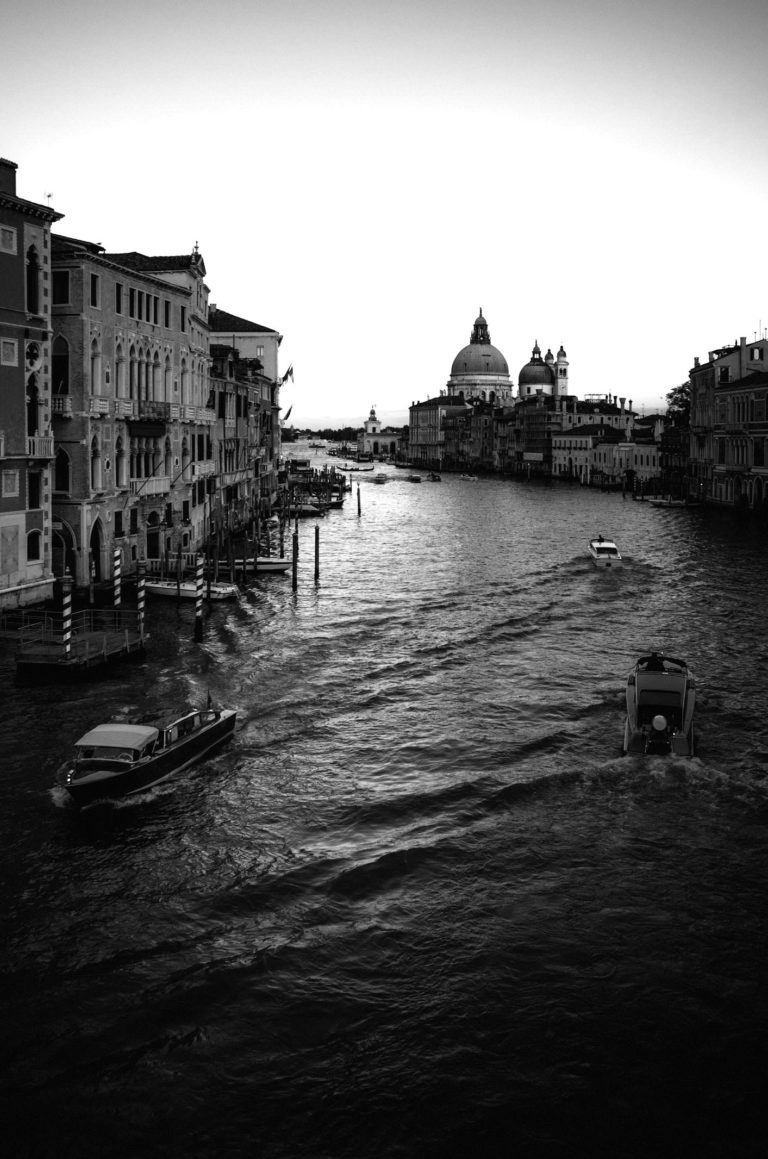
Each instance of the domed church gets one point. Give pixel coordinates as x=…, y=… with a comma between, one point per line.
x=548, y=375
x=479, y=370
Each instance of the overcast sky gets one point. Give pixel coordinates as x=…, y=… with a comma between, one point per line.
x=363, y=177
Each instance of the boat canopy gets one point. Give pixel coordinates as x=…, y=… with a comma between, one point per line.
x=118, y=736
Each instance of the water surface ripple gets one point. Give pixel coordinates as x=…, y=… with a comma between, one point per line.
x=420, y=906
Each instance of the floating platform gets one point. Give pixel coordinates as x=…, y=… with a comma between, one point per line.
x=97, y=637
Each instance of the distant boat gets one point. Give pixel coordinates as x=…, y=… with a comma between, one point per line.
x=187, y=589
x=380, y=478
x=469, y=478
x=433, y=477
x=605, y=553
x=413, y=478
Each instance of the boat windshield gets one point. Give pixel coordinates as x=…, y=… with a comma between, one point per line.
x=607, y=549
x=106, y=752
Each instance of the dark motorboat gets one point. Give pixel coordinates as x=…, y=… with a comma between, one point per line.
x=115, y=760
x=661, y=696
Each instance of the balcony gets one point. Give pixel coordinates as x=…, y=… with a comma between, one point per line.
x=204, y=467
x=153, y=412
x=40, y=446
x=125, y=408
x=98, y=405
x=154, y=485
x=62, y=406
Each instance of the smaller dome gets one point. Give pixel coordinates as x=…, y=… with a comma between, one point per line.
x=537, y=372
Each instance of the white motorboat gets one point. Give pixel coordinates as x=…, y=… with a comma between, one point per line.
x=187, y=589
x=661, y=697
x=605, y=553
x=381, y=477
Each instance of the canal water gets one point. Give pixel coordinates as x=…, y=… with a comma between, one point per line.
x=420, y=905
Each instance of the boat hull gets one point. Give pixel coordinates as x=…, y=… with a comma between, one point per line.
x=188, y=591
x=114, y=784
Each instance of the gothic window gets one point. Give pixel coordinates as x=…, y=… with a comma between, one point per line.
x=95, y=367
x=121, y=464
x=33, y=405
x=33, y=281
x=167, y=375
x=60, y=366
x=133, y=374
x=120, y=371
x=96, y=475
x=62, y=471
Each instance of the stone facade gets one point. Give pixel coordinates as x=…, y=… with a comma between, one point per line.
x=26, y=439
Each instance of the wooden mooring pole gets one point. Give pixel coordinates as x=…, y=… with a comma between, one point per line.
x=141, y=582
x=117, y=575
x=67, y=584
x=317, y=554
x=358, y=498
x=295, y=560
x=199, y=600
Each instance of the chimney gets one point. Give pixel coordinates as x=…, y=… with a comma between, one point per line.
x=8, y=176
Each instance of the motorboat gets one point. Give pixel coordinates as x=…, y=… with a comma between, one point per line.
x=413, y=478
x=661, y=696
x=469, y=478
x=381, y=477
x=116, y=760
x=605, y=553
x=187, y=589
x=433, y=477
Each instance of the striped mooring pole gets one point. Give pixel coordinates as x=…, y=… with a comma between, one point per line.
x=67, y=584
x=141, y=572
x=199, y=600
x=117, y=574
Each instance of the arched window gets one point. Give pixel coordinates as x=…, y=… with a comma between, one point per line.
x=60, y=366
x=34, y=546
x=62, y=471
x=156, y=376
x=120, y=371
x=96, y=475
x=186, y=465
x=33, y=281
x=168, y=376
x=95, y=367
x=121, y=464
x=168, y=459
x=133, y=374
x=33, y=406
x=184, y=381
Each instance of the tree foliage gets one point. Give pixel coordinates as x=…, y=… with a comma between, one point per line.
x=679, y=404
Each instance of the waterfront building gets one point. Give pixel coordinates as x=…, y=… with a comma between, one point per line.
x=234, y=476
x=132, y=421
x=375, y=440
x=426, y=429
x=26, y=438
x=729, y=425
x=253, y=341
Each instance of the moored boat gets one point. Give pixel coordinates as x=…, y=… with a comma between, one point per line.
x=116, y=760
x=187, y=589
x=605, y=553
x=433, y=477
x=661, y=697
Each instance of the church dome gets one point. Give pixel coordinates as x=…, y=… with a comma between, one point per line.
x=537, y=372
x=480, y=357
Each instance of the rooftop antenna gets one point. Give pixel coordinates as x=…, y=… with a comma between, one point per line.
x=49, y=196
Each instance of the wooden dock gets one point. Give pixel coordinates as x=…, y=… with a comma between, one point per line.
x=56, y=649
